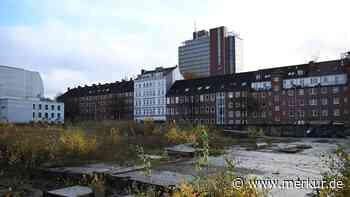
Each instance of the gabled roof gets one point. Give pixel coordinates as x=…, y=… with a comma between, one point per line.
x=160, y=69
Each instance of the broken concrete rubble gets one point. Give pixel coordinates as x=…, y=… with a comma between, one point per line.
x=184, y=150
x=75, y=191
x=294, y=148
x=89, y=169
x=165, y=179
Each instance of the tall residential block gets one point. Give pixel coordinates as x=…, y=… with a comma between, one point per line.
x=150, y=88
x=210, y=53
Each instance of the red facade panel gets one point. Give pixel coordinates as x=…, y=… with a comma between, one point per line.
x=217, y=51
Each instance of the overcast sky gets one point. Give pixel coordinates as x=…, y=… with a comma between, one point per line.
x=77, y=42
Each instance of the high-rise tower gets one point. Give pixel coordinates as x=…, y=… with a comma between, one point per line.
x=216, y=52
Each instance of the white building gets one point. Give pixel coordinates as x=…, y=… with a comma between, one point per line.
x=150, y=93
x=22, y=98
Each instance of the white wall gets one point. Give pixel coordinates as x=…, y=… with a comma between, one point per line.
x=21, y=110
x=16, y=82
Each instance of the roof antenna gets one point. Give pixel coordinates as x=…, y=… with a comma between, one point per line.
x=195, y=26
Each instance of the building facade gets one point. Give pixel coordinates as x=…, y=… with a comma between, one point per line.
x=22, y=98
x=150, y=89
x=111, y=101
x=216, y=52
x=20, y=83
x=313, y=93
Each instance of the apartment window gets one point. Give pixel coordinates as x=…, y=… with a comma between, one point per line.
x=33, y=106
x=39, y=106
x=300, y=72
x=46, y=107
x=336, y=112
x=314, y=113
x=230, y=114
x=52, y=107
x=276, y=88
x=258, y=77
x=324, y=113
x=230, y=95
x=325, y=101
x=335, y=90
x=58, y=107
x=301, y=92
x=313, y=102
x=52, y=115
x=312, y=91
x=336, y=101
x=33, y=115
x=237, y=104
x=291, y=113
x=238, y=114
x=39, y=114
x=237, y=94
x=201, y=98
x=277, y=108
x=290, y=92
x=212, y=97
x=230, y=105
x=58, y=115
x=324, y=90
x=301, y=102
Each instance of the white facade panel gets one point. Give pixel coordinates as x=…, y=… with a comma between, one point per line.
x=15, y=82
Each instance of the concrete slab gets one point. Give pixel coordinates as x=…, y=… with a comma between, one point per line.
x=181, y=150
x=75, y=191
x=89, y=169
x=165, y=179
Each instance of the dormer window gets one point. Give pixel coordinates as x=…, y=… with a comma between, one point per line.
x=300, y=72
x=258, y=77
x=207, y=88
x=187, y=89
x=199, y=88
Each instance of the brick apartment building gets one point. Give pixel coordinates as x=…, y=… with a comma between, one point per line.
x=111, y=101
x=313, y=93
